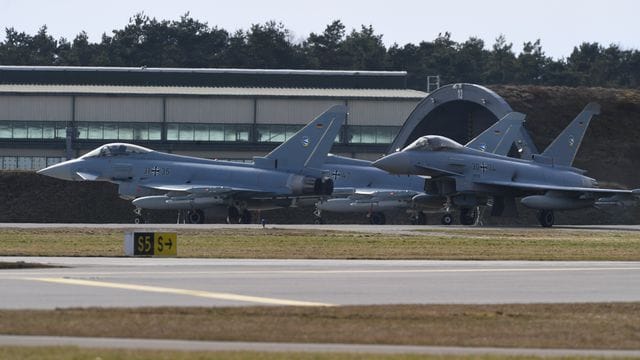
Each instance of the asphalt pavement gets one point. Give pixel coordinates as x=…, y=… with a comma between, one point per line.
x=133, y=282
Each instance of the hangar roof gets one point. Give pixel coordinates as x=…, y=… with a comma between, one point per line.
x=210, y=77
x=407, y=94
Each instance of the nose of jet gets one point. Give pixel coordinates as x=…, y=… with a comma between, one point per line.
x=61, y=171
x=396, y=163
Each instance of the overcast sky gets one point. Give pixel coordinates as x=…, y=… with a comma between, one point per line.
x=560, y=24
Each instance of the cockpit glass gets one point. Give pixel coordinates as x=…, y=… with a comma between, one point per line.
x=433, y=143
x=116, y=149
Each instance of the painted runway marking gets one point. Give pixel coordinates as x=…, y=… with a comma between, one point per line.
x=165, y=290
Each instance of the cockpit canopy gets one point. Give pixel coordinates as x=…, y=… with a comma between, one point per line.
x=116, y=149
x=433, y=143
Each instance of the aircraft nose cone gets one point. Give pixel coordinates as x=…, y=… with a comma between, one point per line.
x=59, y=171
x=396, y=163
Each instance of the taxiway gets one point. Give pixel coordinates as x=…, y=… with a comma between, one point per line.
x=134, y=282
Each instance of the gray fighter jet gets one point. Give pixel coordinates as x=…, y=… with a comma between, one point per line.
x=360, y=187
x=161, y=181
x=468, y=177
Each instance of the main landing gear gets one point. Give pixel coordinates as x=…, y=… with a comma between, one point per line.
x=468, y=216
x=546, y=218
x=377, y=218
x=234, y=216
x=317, y=217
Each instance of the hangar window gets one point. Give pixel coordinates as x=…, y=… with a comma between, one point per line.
x=207, y=132
x=5, y=131
x=371, y=134
x=276, y=133
x=118, y=131
x=28, y=162
x=32, y=130
x=20, y=130
x=9, y=162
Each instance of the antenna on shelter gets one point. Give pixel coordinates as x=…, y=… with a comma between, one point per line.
x=433, y=82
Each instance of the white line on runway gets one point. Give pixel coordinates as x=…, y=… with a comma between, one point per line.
x=196, y=293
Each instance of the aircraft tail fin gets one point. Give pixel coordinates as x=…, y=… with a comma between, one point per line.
x=564, y=148
x=309, y=147
x=499, y=137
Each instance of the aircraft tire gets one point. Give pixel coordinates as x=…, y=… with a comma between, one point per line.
x=195, y=216
x=446, y=219
x=139, y=220
x=546, y=218
x=318, y=221
x=377, y=218
x=233, y=215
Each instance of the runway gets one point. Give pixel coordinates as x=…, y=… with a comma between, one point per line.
x=135, y=282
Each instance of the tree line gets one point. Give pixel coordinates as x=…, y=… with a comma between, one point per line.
x=187, y=42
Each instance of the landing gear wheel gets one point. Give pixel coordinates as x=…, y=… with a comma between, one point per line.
x=447, y=219
x=195, y=216
x=377, y=218
x=233, y=215
x=246, y=218
x=139, y=220
x=318, y=221
x=468, y=216
x=546, y=218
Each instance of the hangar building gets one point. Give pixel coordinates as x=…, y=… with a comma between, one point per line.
x=213, y=113
x=48, y=114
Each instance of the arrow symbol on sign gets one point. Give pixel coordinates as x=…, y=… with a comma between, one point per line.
x=169, y=243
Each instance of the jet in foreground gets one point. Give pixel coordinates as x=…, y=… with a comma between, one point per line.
x=161, y=181
x=468, y=177
x=361, y=187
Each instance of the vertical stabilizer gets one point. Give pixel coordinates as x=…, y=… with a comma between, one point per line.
x=499, y=137
x=308, y=147
x=564, y=148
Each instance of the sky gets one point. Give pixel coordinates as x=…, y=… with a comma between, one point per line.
x=559, y=24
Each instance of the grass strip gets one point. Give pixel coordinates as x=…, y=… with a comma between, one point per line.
x=66, y=353
x=579, y=326
x=502, y=244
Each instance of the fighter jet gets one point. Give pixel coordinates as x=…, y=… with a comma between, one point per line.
x=468, y=177
x=361, y=187
x=161, y=181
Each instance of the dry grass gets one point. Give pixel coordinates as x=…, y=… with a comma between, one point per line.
x=503, y=244
x=597, y=326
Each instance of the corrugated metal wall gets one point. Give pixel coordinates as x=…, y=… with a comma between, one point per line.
x=371, y=112
x=210, y=110
x=40, y=108
x=291, y=111
x=125, y=109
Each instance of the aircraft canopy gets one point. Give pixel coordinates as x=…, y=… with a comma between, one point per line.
x=433, y=143
x=116, y=149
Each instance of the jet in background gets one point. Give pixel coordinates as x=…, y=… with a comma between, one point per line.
x=161, y=181
x=468, y=177
x=361, y=187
